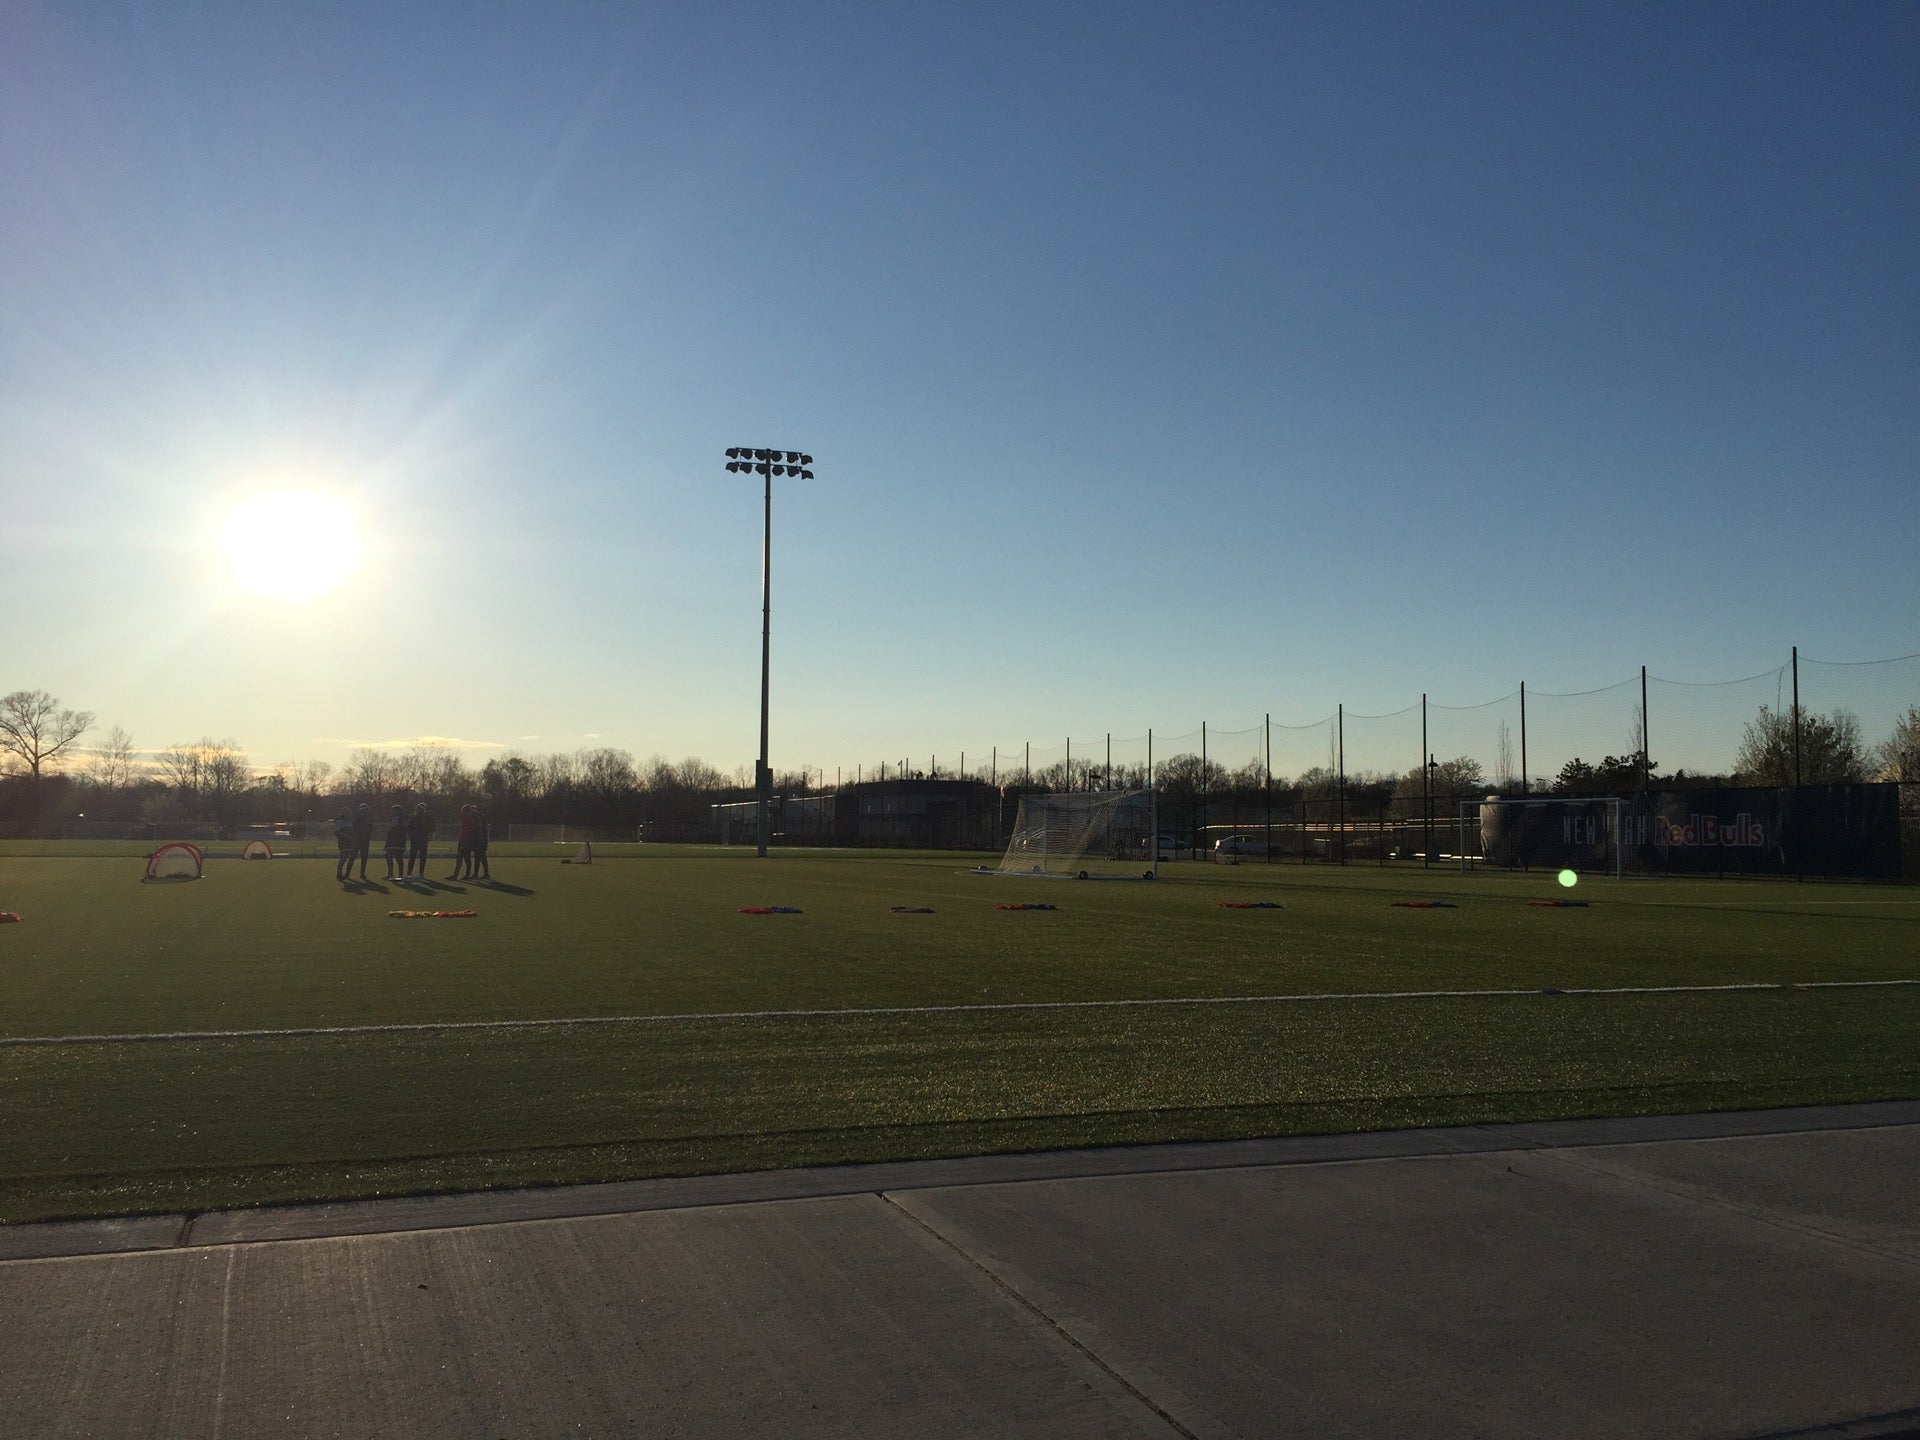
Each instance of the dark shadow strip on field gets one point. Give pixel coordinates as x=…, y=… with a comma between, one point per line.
x=424, y=1172
x=882, y=1011
x=1816, y=910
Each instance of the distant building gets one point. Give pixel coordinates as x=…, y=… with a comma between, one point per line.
x=882, y=814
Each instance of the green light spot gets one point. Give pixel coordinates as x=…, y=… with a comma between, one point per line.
x=1569, y=879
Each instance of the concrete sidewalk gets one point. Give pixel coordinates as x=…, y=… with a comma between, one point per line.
x=1729, y=1275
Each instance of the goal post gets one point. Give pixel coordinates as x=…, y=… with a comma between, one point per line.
x=1586, y=833
x=1084, y=835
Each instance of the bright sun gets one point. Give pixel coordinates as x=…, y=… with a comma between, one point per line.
x=291, y=544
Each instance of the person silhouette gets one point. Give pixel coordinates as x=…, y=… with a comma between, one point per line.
x=343, y=837
x=419, y=831
x=362, y=837
x=396, y=847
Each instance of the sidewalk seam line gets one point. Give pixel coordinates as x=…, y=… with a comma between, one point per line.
x=1054, y=1325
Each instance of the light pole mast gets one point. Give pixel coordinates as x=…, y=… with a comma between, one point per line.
x=744, y=460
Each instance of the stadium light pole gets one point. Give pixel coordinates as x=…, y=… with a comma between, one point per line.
x=747, y=460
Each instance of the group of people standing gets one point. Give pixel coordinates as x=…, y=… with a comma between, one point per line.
x=406, y=847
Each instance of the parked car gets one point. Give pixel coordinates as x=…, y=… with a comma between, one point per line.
x=1171, y=847
x=1231, y=846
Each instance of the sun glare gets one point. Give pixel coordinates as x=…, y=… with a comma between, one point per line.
x=291, y=544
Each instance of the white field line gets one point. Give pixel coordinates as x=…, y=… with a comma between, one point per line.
x=416, y=1027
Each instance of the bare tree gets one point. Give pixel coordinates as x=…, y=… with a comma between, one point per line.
x=556, y=775
x=210, y=773
x=447, y=773
x=608, y=774
x=310, y=779
x=34, y=728
x=1442, y=783
x=114, y=764
x=228, y=777
x=369, y=773
x=507, y=783
x=184, y=767
x=431, y=770
x=1898, y=756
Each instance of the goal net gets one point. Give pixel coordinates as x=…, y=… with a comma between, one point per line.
x=1583, y=834
x=256, y=850
x=1095, y=834
x=176, y=860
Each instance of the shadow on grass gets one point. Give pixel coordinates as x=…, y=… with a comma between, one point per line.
x=501, y=887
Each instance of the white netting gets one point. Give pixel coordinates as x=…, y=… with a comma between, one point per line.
x=1085, y=834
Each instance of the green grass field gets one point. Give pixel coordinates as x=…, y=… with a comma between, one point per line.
x=738, y=1041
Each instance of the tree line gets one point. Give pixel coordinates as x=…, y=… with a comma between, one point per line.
x=47, y=778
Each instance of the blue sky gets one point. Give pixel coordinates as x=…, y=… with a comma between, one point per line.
x=1162, y=363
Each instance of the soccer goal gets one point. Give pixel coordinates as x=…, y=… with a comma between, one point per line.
x=582, y=856
x=256, y=850
x=176, y=860
x=1587, y=834
x=1086, y=835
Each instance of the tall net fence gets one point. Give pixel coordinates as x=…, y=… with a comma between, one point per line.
x=1882, y=697
x=1586, y=726
x=1530, y=740
x=1385, y=780
x=1696, y=728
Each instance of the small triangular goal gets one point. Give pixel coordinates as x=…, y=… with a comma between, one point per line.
x=582, y=856
x=176, y=860
x=256, y=850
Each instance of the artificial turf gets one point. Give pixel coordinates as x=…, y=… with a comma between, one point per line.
x=113, y=1126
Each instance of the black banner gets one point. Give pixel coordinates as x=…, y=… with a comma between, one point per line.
x=1838, y=830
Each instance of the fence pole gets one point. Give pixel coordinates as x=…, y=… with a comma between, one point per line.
x=1069, y=764
x=1341, y=823
x=1426, y=788
x=1269, y=751
x=1796, y=714
x=1643, y=730
x=1153, y=810
x=1524, y=784
x=1200, y=827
